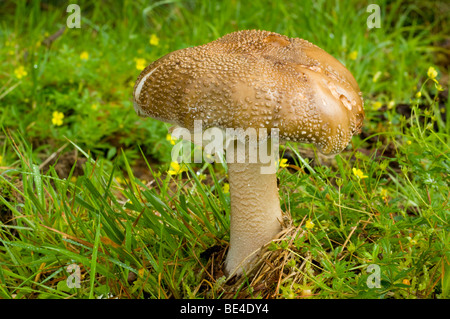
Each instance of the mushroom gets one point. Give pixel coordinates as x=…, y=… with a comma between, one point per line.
x=254, y=79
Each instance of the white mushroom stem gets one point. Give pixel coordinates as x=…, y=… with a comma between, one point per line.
x=255, y=210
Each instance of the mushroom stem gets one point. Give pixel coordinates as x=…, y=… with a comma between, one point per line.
x=255, y=209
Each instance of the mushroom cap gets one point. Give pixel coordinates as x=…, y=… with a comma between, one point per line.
x=255, y=79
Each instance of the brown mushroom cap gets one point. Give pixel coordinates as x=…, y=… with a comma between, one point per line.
x=255, y=79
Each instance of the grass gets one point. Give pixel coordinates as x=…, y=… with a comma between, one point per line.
x=94, y=192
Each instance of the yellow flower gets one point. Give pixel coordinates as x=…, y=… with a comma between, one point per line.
x=176, y=168
x=226, y=188
x=384, y=194
x=376, y=77
x=309, y=224
x=283, y=163
x=57, y=118
x=170, y=139
x=140, y=63
x=377, y=105
x=94, y=107
x=432, y=73
x=391, y=104
x=358, y=173
x=84, y=56
x=1, y=159
x=154, y=40
x=353, y=55
x=20, y=72
x=418, y=94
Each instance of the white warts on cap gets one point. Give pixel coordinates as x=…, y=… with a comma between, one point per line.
x=255, y=79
